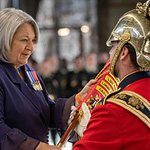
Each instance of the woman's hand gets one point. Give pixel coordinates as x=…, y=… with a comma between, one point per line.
x=44, y=146
x=85, y=90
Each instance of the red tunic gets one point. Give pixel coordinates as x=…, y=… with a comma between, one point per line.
x=113, y=127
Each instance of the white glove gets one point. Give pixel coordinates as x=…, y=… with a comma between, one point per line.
x=72, y=114
x=81, y=126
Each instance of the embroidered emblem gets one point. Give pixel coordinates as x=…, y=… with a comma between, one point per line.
x=92, y=102
x=132, y=100
x=135, y=102
x=120, y=96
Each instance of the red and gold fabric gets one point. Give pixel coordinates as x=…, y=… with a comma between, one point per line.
x=121, y=124
x=106, y=83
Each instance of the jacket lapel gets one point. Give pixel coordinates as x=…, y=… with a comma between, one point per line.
x=25, y=89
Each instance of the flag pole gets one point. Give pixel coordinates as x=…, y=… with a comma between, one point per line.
x=109, y=80
x=69, y=130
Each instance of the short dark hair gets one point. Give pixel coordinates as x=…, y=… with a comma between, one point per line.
x=132, y=54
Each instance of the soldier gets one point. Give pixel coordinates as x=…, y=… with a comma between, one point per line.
x=123, y=122
x=91, y=65
x=77, y=78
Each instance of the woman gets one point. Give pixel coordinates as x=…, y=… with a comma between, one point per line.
x=26, y=111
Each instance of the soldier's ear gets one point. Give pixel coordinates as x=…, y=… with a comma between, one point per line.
x=124, y=53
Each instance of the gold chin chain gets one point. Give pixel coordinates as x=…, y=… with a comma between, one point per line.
x=123, y=39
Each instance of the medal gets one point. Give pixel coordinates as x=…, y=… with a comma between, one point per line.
x=34, y=80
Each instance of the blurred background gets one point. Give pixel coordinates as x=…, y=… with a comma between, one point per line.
x=72, y=47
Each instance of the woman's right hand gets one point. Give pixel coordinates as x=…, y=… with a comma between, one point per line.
x=85, y=90
x=44, y=146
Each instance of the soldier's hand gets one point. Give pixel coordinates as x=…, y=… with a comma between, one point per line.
x=82, y=125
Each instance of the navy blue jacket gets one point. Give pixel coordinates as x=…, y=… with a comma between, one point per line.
x=25, y=113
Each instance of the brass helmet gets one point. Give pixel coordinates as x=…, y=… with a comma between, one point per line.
x=133, y=28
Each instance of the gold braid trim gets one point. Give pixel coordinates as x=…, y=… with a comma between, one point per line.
x=132, y=102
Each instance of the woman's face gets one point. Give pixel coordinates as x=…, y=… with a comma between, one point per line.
x=22, y=46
